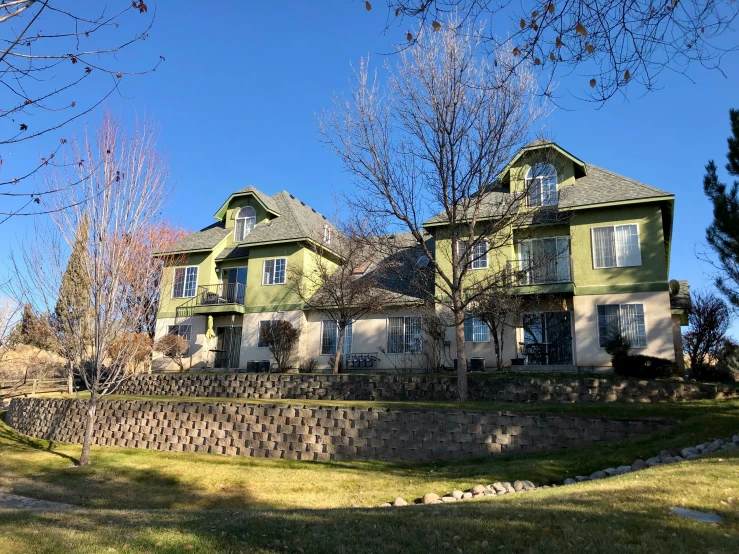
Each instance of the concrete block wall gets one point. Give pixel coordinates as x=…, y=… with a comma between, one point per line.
x=315, y=433
x=415, y=388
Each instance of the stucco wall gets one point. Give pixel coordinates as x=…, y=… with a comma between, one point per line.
x=316, y=433
x=657, y=318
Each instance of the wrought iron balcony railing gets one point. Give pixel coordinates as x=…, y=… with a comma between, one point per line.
x=224, y=293
x=545, y=272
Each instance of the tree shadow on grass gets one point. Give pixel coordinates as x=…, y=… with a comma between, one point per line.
x=9, y=434
x=598, y=518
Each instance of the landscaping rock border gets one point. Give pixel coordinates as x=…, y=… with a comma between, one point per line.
x=502, y=488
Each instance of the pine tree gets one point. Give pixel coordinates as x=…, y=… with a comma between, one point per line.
x=723, y=234
x=73, y=306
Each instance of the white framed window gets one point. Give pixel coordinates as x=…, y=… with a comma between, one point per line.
x=541, y=184
x=184, y=331
x=616, y=246
x=476, y=330
x=326, y=234
x=478, y=259
x=274, y=271
x=185, y=282
x=624, y=319
x=545, y=260
x=330, y=337
x=404, y=335
x=246, y=219
x=262, y=325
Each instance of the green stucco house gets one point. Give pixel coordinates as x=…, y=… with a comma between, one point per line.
x=610, y=236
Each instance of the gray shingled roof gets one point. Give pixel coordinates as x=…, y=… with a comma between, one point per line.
x=263, y=198
x=598, y=186
x=601, y=186
x=296, y=221
x=232, y=253
x=205, y=239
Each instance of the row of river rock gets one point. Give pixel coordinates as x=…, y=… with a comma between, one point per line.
x=501, y=488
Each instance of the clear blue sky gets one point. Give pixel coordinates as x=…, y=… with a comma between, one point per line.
x=238, y=95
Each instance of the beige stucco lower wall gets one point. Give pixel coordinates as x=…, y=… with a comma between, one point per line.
x=369, y=336
x=198, y=347
x=250, y=351
x=657, y=317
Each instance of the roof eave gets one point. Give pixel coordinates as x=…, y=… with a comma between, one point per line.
x=222, y=210
x=670, y=198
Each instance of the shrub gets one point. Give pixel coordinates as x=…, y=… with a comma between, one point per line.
x=280, y=338
x=719, y=373
x=173, y=347
x=638, y=366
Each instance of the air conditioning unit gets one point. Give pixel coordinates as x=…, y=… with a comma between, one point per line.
x=477, y=364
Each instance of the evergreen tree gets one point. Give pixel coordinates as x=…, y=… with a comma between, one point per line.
x=72, y=313
x=723, y=234
x=34, y=330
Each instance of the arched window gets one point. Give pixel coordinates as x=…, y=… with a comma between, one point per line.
x=246, y=218
x=541, y=183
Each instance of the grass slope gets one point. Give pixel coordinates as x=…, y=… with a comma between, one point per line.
x=627, y=514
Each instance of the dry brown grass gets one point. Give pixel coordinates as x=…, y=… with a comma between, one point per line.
x=24, y=361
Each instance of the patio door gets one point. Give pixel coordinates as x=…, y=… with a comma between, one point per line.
x=228, y=347
x=233, y=280
x=547, y=338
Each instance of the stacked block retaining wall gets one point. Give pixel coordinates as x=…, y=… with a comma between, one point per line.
x=316, y=433
x=416, y=388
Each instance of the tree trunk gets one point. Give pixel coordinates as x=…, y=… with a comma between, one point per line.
x=461, y=361
x=70, y=382
x=339, y=347
x=89, y=428
x=498, y=347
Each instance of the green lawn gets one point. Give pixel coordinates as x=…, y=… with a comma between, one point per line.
x=628, y=514
x=322, y=504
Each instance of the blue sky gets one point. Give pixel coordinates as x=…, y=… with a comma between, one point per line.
x=238, y=96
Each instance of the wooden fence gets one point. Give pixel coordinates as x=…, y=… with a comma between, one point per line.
x=25, y=387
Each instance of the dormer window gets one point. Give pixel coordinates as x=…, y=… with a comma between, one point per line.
x=246, y=218
x=541, y=186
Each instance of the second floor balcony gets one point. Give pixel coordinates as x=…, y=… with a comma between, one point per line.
x=542, y=271
x=222, y=298
x=220, y=294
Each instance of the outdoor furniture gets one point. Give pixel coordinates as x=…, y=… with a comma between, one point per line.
x=535, y=353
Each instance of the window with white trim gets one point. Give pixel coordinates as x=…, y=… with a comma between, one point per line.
x=616, y=246
x=262, y=324
x=626, y=320
x=326, y=234
x=246, y=219
x=185, y=282
x=184, y=331
x=479, y=255
x=404, y=335
x=330, y=338
x=274, y=271
x=541, y=183
x=476, y=330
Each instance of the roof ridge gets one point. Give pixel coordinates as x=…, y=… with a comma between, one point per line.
x=650, y=187
x=292, y=212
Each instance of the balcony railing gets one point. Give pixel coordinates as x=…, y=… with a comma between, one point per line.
x=545, y=272
x=224, y=293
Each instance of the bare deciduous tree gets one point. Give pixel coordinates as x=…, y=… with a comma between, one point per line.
x=499, y=308
x=609, y=43
x=435, y=141
x=340, y=284
x=122, y=185
x=58, y=62
x=709, y=320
